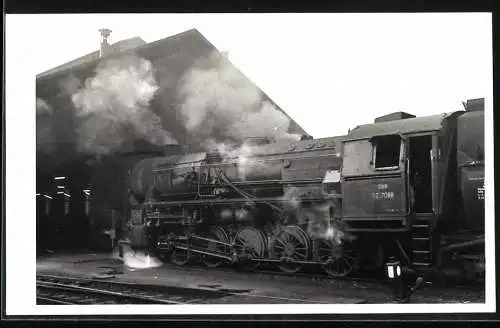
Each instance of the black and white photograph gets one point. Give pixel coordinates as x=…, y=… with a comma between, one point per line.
x=184, y=164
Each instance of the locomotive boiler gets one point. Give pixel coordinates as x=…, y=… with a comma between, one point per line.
x=405, y=186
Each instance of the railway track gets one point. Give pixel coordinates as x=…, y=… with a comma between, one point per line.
x=67, y=290
x=72, y=291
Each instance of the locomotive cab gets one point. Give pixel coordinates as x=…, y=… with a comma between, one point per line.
x=394, y=171
x=374, y=183
x=401, y=177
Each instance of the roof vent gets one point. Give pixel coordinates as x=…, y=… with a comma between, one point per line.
x=474, y=105
x=105, y=46
x=394, y=117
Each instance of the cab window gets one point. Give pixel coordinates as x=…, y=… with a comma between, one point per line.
x=386, y=152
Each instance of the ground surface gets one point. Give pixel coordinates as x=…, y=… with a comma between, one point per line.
x=257, y=288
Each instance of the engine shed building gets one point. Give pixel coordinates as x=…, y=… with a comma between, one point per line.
x=73, y=189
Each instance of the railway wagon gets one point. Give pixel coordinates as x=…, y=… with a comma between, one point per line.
x=404, y=186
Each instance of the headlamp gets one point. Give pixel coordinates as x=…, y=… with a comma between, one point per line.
x=393, y=269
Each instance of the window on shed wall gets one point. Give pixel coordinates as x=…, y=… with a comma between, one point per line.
x=387, y=151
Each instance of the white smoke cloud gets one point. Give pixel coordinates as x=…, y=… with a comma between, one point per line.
x=225, y=149
x=292, y=199
x=136, y=260
x=43, y=137
x=42, y=107
x=70, y=85
x=220, y=99
x=114, y=104
x=44, y=130
x=320, y=225
x=316, y=216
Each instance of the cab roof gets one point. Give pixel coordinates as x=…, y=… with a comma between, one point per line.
x=403, y=126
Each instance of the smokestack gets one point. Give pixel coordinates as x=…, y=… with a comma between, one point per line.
x=105, y=33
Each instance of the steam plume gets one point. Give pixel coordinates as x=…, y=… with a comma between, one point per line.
x=70, y=85
x=215, y=97
x=42, y=107
x=114, y=104
x=320, y=225
x=137, y=260
x=315, y=215
x=43, y=128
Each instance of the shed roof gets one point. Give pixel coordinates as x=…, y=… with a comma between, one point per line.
x=117, y=47
x=404, y=126
x=171, y=56
x=191, y=43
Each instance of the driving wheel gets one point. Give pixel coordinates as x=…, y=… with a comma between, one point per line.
x=338, y=259
x=217, y=234
x=251, y=243
x=291, y=244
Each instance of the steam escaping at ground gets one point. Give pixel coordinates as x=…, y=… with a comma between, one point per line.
x=214, y=96
x=137, y=260
x=113, y=105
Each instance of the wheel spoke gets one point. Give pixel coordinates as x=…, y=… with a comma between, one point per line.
x=302, y=255
x=295, y=245
x=343, y=259
x=281, y=242
x=217, y=234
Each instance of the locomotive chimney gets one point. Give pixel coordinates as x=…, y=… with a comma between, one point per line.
x=105, y=46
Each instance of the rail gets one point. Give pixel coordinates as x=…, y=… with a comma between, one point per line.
x=70, y=293
x=183, y=295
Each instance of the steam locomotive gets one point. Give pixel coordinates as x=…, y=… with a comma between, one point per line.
x=405, y=186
